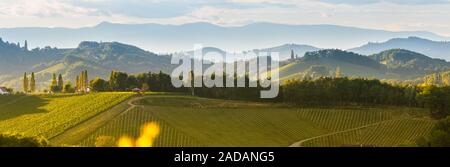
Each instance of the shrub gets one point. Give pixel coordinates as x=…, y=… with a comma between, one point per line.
x=439, y=137
x=19, y=140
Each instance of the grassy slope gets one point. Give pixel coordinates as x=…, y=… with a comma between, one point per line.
x=51, y=115
x=188, y=121
x=294, y=70
x=67, y=70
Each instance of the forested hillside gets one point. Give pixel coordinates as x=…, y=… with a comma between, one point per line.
x=99, y=58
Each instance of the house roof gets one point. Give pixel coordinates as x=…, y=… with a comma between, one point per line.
x=3, y=89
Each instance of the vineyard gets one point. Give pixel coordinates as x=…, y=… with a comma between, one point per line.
x=50, y=115
x=389, y=133
x=129, y=125
x=189, y=121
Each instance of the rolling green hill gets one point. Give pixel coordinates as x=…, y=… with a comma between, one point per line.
x=98, y=58
x=351, y=64
x=409, y=64
x=299, y=69
x=391, y=64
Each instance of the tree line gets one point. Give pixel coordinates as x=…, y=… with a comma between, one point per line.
x=245, y=92
x=121, y=81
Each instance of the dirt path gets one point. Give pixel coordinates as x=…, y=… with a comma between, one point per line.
x=76, y=133
x=299, y=143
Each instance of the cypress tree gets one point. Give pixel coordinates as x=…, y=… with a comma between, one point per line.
x=292, y=55
x=112, y=82
x=25, y=47
x=60, y=82
x=25, y=82
x=81, y=81
x=32, y=83
x=86, y=80
x=338, y=72
x=77, y=83
x=54, y=81
x=54, y=85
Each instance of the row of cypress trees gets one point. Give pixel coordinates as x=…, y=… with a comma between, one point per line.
x=29, y=85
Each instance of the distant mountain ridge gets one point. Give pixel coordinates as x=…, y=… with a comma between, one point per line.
x=176, y=38
x=435, y=49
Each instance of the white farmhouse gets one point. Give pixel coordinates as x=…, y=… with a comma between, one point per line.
x=4, y=91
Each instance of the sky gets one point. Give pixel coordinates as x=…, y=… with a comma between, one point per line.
x=394, y=15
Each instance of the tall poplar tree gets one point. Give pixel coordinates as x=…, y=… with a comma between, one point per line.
x=25, y=83
x=77, y=83
x=292, y=55
x=82, y=81
x=54, y=85
x=338, y=73
x=86, y=80
x=60, y=82
x=32, y=83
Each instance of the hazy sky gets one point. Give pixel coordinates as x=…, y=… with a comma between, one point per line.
x=429, y=15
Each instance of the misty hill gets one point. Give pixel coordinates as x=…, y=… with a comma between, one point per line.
x=16, y=59
x=430, y=48
x=284, y=51
x=391, y=64
x=405, y=62
x=173, y=38
x=206, y=51
x=118, y=56
x=98, y=58
x=318, y=62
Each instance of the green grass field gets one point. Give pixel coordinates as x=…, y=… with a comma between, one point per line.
x=190, y=121
x=50, y=115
